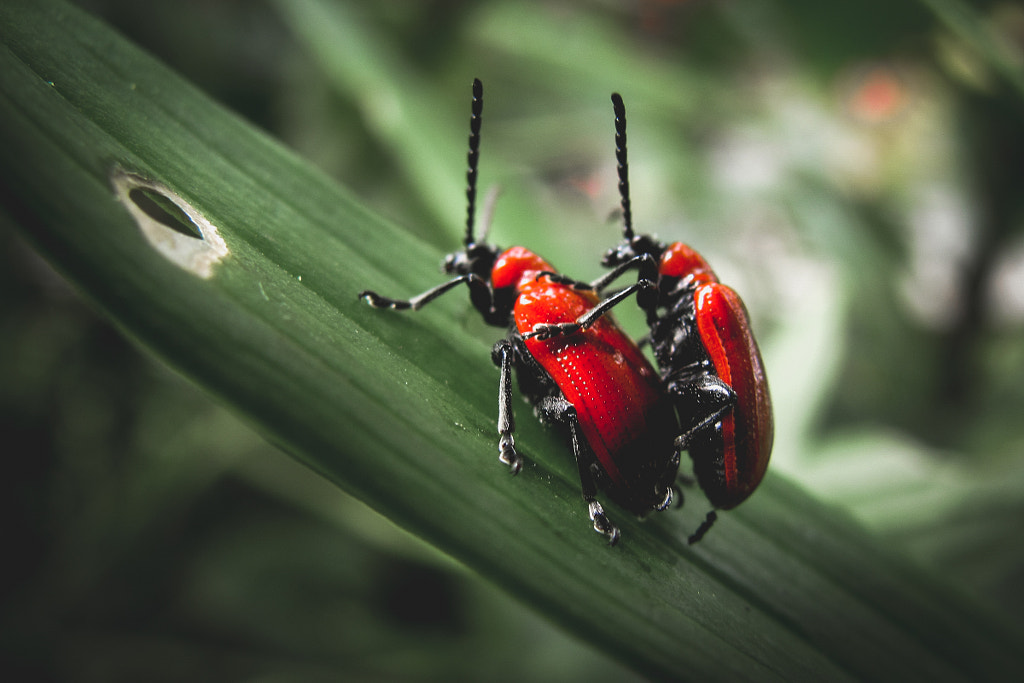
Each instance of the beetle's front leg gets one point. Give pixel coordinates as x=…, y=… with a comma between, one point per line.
x=647, y=269
x=550, y=330
x=479, y=292
x=503, y=356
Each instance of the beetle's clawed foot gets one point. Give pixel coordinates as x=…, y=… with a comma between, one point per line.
x=677, y=496
x=601, y=523
x=667, y=502
x=378, y=301
x=508, y=455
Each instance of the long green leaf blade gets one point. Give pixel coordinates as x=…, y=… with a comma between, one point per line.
x=399, y=410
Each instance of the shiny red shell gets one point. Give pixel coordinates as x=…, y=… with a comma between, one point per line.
x=747, y=431
x=617, y=393
x=730, y=466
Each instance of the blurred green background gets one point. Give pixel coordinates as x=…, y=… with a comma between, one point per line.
x=853, y=169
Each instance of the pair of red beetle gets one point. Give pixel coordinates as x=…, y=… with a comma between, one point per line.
x=628, y=422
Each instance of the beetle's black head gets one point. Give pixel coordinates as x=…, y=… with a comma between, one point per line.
x=495, y=305
x=633, y=246
x=477, y=259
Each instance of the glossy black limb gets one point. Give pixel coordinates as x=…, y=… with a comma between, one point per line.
x=677, y=493
x=647, y=269
x=673, y=494
x=700, y=402
x=646, y=265
x=558, y=409
x=704, y=527
x=602, y=524
x=559, y=278
x=551, y=330
x=478, y=288
x=504, y=357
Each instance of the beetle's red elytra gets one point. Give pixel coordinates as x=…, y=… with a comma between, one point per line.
x=747, y=431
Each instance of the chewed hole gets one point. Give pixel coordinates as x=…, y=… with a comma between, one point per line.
x=164, y=211
x=171, y=225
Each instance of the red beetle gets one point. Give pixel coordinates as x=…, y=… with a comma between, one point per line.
x=596, y=383
x=709, y=362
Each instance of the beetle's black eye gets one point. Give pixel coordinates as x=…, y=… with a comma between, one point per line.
x=455, y=263
x=618, y=255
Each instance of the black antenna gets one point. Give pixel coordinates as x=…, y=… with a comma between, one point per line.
x=623, y=164
x=473, y=158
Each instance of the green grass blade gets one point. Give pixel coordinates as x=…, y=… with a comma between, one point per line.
x=399, y=410
x=994, y=49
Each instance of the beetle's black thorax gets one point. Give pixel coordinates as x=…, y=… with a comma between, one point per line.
x=678, y=349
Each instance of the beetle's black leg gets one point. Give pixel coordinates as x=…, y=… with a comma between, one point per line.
x=647, y=269
x=700, y=402
x=557, y=409
x=646, y=265
x=645, y=289
x=673, y=494
x=560, y=279
x=504, y=354
x=478, y=287
x=677, y=493
x=550, y=330
x=601, y=523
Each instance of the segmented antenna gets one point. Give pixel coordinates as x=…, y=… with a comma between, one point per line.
x=623, y=164
x=473, y=158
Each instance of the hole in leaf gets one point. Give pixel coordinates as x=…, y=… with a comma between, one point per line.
x=164, y=211
x=170, y=224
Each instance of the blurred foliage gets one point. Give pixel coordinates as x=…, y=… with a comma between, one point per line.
x=854, y=173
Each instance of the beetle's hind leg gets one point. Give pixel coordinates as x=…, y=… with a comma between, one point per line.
x=558, y=409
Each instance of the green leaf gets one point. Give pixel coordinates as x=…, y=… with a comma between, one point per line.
x=399, y=410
